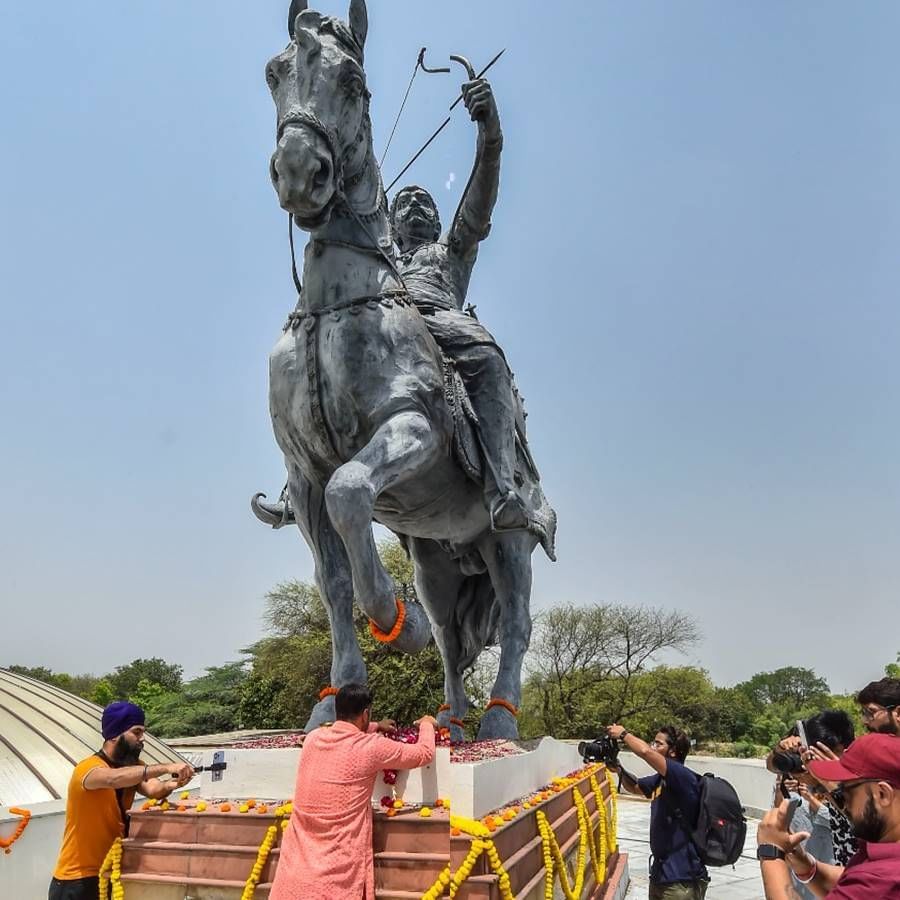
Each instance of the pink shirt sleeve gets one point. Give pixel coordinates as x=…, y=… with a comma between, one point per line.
x=388, y=754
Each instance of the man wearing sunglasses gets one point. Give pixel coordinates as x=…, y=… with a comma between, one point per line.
x=880, y=702
x=867, y=791
x=676, y=870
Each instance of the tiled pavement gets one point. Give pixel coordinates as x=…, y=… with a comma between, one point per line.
x=740, y=883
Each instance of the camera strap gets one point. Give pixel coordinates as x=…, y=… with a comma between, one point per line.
x=678, y=816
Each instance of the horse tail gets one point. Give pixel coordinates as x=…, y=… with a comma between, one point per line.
x=477, y=619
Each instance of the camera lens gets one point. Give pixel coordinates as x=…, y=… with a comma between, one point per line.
x=787, y=763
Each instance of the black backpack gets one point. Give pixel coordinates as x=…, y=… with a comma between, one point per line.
x=721, y=829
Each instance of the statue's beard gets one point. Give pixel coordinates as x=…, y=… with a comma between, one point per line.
x=125, y=754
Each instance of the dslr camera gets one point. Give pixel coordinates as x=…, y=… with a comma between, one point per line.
x=605, y=749
x=787, y=762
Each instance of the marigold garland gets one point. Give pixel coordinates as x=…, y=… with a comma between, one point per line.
x=327, y=692
x=436, y=891
x=599, y=845
x=113, y=865
x=390, y=636
x=601, y=842
x=499, y=701
x=265, y=848
x=612, y=834
x=481, y=843
x=25, y=817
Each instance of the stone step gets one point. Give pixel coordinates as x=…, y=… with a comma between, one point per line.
x=399, y=871
x=384, y=894
x=518, y=844
x=409, y=832
x=180, y=859
x=167, y=887
x=233, y=828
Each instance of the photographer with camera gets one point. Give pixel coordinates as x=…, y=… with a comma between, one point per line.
x=676, y=870
x=825, y=735
x=865, y=785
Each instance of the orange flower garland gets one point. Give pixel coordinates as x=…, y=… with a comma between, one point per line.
x=327, y=692
x=498, y=701
x=6, y=843
x=390, y=636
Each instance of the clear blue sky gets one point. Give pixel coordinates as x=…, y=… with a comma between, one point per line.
x=694, y=269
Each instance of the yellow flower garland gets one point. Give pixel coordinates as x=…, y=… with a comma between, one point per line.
x=113, y=864
x=481, y=843
x=598, y=847
x=436, y=891
x=265, y=848
x=601, y=842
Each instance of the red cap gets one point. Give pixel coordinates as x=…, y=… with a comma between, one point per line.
x=869, y=756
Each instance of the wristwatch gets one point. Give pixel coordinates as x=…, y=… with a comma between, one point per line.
x=769, y=851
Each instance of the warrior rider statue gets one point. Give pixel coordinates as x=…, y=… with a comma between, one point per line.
x=436, y=270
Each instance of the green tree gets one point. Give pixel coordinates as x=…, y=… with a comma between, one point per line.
x=38, y=673
x=103, y=693
x=892, y=670
x=147, y=694
x=80, y=685
x=125, y=679
x=789, y=685
x=585, y=662
x=292, y=664
x=209, y=704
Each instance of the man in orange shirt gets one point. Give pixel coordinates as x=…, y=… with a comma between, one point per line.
x=327, y=850
x=101, y=791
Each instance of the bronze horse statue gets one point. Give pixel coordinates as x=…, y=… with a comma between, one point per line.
x=371, y=417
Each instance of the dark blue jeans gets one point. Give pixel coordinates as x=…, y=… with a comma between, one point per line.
x=78, y=889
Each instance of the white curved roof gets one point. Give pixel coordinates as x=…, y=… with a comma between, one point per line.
x=44, y=733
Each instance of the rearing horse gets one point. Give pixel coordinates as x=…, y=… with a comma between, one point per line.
x=361, y=407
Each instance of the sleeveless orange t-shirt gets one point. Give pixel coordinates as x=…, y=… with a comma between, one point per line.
x=93, y=822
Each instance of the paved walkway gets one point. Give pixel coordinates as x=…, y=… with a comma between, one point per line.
x=740, y=883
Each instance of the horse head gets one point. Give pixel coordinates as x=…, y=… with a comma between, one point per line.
x=322, y=103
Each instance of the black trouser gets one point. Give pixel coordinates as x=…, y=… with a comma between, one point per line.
x=78, y=889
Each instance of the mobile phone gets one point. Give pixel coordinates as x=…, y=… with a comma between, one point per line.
x=792, y=808
x=802, y=732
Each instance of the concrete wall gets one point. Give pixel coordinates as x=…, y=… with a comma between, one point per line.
x=754, y=784
x=26, y=871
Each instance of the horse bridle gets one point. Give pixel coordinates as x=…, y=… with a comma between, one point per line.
x=339, y=197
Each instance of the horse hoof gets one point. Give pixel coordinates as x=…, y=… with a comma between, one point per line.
x=321, y=713
x=416, y=631
x=498, y=724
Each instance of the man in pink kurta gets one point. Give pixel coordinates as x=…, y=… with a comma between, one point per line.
x=326, y=853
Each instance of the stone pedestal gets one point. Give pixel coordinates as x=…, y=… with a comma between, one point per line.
x=478, y=788
x=271, y=774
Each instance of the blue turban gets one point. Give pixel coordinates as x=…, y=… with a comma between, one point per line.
x=118, y=717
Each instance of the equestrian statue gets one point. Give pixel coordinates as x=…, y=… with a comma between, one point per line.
x=389, y=400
